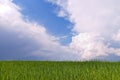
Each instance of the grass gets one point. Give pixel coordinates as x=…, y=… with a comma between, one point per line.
x=43, y=70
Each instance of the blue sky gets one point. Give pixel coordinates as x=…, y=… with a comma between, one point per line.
x=59, y=30
x=45, y=14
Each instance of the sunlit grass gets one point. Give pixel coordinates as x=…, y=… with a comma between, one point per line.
x=43, y=70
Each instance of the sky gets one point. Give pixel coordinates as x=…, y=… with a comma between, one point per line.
x=72, y=30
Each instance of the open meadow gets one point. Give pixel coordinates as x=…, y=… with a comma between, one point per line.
x=45, y=70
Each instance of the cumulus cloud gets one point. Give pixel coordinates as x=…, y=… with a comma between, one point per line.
x=88, y=45
x=96, y=28
x=24, y=39
x=116, y=36
x=90, y=18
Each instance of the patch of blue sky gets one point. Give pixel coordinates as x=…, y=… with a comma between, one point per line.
x=43, y=13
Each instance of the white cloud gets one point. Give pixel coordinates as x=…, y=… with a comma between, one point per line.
x=21, y=38
x=89, y=46
x=92, y=16
x=116, y=36
x=95, y=22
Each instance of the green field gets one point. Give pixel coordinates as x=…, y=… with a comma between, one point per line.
x=43, y=70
